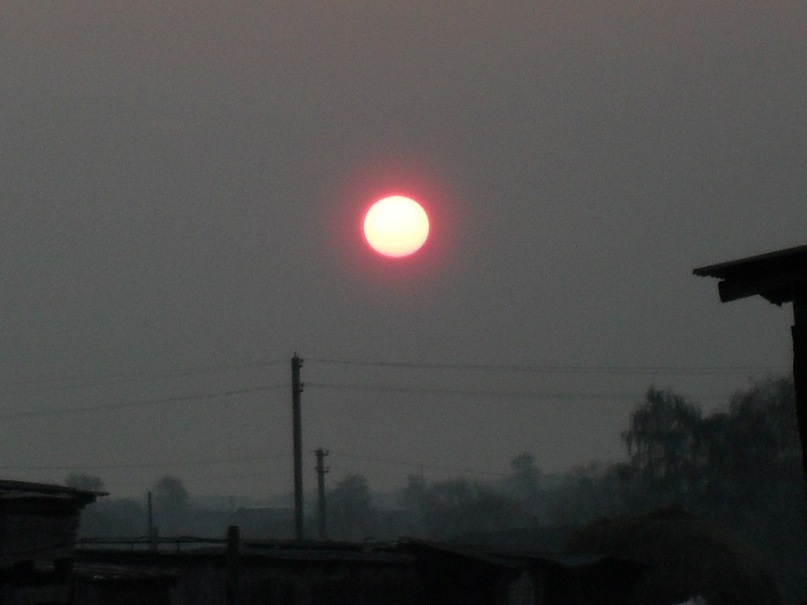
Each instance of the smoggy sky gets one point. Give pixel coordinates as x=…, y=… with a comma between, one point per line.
x=181, y=189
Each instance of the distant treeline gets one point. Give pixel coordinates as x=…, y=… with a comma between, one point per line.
x=738, y=466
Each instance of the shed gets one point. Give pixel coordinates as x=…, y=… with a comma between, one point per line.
x=38, y=524
x=486, y=576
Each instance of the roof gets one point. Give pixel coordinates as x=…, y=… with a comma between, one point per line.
x=108, y=572
x=288, y=553
x=774, y=275
x=509, y=558
x=10, y=490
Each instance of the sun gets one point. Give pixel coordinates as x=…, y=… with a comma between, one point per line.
x=396, y=226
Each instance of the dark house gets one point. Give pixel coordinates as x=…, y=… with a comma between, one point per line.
x=265, y=573
x=480, y=575
x=38, y=524
x=96, y=584
x=409, y=572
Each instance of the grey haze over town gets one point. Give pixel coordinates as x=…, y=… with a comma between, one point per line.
x=182, y=187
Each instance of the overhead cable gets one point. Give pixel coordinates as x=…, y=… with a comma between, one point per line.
x=552, y=369
x=533, y=395
x=133, y=404
x=419, y=465
x=80, y=381
x=160, y=464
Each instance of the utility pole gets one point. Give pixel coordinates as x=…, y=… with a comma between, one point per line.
x=232, y=593
x=297, y=438
x=799, y=333
x=151, y=529
x=322, y=527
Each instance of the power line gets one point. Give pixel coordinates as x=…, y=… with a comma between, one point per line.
x=164, y=463
x=211, y=478
x=553, y=369
x=92, y=380
x=463, y=392
x=133, y=404
x=272, y=473
x=532, y=395
x=394, y=462
x=82, y=381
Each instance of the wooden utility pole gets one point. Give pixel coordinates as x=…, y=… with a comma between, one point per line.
x=322, y=526
x=233, y=565
x=297, y=438
x=799, y=332
x=151, y=529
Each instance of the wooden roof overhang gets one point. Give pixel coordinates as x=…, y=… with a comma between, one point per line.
x=776, y=276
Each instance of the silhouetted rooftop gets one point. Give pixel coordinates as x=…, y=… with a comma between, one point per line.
x=773, y=275
x=11, y=489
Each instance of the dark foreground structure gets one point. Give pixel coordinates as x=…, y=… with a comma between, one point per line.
x=779, y=277
x=409, y=572
x=687, y=555
x=41, y=564
x=38, y=524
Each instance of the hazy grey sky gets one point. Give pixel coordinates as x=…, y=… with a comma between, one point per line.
x=181, y=188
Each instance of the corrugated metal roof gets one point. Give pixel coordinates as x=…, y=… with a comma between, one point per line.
x=106, y=572
x=521, y=558
x=302, y=552
x=395, y=553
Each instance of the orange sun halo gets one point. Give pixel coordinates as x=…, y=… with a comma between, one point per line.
x=396, y=226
